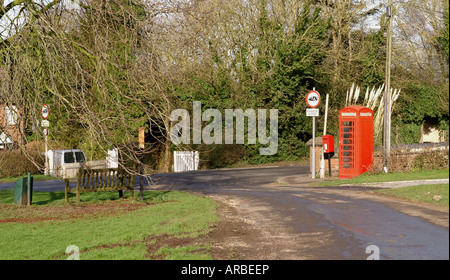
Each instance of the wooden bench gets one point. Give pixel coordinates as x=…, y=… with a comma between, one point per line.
x=100, y=180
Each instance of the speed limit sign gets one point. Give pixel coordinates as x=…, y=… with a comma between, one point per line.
x=45, y=111
x=45, y=131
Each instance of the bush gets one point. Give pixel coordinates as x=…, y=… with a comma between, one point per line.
x=418, y=104
x=219, y=155
x=16, y=163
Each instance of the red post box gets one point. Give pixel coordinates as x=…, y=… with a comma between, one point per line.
x=328, y=144
x=355, y=141
x=328, y=149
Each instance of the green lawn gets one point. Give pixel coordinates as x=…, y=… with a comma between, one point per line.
x=104, y=227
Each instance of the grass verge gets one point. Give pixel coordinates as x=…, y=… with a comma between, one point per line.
x=432, y=194
x=105, y=227
x=369, y=177
x=36, y=177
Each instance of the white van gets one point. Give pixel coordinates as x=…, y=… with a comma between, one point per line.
x=61, y=161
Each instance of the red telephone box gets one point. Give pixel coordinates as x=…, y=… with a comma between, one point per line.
x=355, y=141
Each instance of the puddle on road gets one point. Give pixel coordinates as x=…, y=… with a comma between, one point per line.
x=398, y=235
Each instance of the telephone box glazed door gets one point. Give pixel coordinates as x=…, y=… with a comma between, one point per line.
x=355, y=141
x=347, y=149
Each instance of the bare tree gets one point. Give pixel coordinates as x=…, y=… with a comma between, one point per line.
x=417, y=52
x=90, y=65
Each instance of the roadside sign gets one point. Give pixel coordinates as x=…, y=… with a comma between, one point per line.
x=45, y=111
x=141, y=137
x=313, y=99
x=45, y=123
x=312, y=112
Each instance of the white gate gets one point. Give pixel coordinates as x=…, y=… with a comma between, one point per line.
x=112, y=160
x=185, y=161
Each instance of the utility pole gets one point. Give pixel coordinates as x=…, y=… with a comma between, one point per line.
x=387, y=92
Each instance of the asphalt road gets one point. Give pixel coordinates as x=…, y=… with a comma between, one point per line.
x=348, y=224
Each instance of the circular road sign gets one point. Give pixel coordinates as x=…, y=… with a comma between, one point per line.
x=45, y=131
x=45, y=111
x=313, y=99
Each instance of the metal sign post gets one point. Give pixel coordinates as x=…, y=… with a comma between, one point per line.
x=313, y=100
x=46, y=171
x=141, y=169
x=313, y=170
